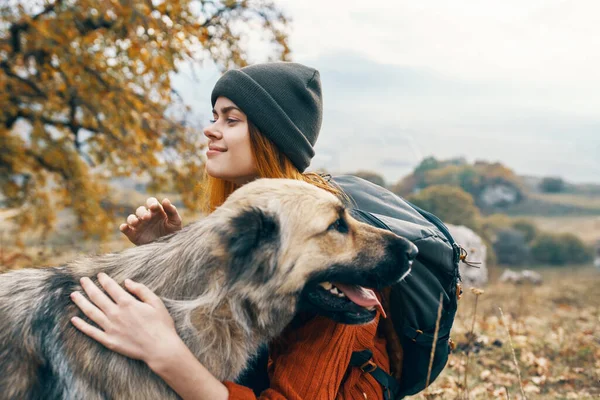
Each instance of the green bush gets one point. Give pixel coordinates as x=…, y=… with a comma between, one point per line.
x=450, y=203
x=527, y=228
x=577, y=250
x=560, y=250
x=552, y=185
x=475, y=179
x=511, y=247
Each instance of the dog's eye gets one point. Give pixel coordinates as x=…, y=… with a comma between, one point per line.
x=339, y=225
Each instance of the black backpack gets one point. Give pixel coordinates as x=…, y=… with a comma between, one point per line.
x=413, y=303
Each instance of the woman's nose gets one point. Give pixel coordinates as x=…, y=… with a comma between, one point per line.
x=212, y=132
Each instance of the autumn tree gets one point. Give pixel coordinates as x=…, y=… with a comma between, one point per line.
x=452, y=204
x=474, y=179
x=85, y=94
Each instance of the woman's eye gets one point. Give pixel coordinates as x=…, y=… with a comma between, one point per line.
x=339, y=225
x=231, y=121
x=212, y=121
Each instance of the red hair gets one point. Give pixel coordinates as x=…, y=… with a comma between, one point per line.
x=270, y=163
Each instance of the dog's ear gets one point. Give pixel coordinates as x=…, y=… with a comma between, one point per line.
x=251, y=230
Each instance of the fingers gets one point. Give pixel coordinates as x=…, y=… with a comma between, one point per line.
x=91, y=331
x=152, y=208
x=173, y=216
x=90, y=310
x=99, y=299
x=132, y=220
x=169, y=208
x=130, y=232
x=116, y=292
x=142, y=212
x=142, y=292
x=152, y=204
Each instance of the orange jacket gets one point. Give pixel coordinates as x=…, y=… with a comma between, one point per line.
x=311, y=362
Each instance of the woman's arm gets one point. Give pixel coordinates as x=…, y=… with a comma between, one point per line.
x=185, y=375
x=145, y=331
x=308, y=362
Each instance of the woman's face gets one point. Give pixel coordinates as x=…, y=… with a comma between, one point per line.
x=229, y=155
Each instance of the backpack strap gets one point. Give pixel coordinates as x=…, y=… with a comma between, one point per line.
x=364, y=361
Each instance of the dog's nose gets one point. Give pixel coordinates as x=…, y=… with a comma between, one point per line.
x=412, y=251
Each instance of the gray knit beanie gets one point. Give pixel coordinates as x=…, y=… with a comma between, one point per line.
x=283, y=100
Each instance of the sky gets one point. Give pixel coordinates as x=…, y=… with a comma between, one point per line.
x=510, y=81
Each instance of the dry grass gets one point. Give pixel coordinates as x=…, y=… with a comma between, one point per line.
x=66, y=242
x=555, y=331
x=587, y=228
x=584, y=201
x=555, y=328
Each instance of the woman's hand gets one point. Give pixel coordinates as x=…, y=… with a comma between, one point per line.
x=151, y=222
x=142, y=330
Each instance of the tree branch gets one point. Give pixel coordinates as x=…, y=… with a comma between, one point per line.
x=88, y=25
x=47, y=9
x=46, y=165
x=216, y=15
x=55, y=122
x=16, y=29
x=4, y=65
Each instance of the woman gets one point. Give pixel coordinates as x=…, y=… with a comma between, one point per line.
x=266, y=121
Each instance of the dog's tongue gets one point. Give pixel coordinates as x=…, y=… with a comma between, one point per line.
x=361, y=296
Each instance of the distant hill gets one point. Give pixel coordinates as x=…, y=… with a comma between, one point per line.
x=479, y=178
x=576, y=199
x=497, y=189
x=532, y=183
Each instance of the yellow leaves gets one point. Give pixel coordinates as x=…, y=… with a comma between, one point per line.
x=11, y=189
x=557, y=350
x=144, y=55
x=96, y=82
x=540, y=365
x=485, y=374
x=539, y=380
x=43, y=27
x=531, y=388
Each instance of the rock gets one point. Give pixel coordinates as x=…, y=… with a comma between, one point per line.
x=531, y=277
x=510, y=276
x=521, y=277
x=477, y=252
x=499, y=195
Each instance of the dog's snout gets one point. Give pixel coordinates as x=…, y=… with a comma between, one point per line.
x=412, y=251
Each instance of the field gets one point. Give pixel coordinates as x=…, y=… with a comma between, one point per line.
x=587, y=228
x=576, y=201
x=555, y=333
x=554, y=329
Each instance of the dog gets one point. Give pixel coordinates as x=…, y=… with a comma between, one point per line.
x=231, y=281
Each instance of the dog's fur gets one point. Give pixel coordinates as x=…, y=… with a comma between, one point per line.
x=231, y=281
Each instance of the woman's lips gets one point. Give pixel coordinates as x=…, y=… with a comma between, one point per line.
x=214, y=151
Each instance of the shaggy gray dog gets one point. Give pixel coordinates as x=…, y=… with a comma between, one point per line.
x=231, y=282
